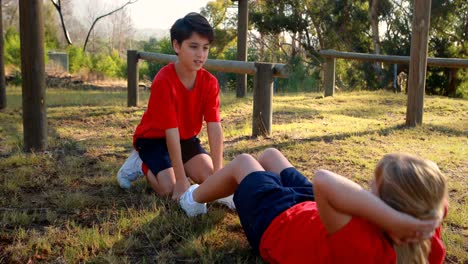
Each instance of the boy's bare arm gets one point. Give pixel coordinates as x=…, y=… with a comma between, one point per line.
x=175, y=153
x=339, y=198
x=215, y=139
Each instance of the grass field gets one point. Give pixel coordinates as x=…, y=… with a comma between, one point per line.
x=65, y=206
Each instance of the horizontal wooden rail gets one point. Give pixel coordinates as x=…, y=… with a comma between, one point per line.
x=232, y=66
x=331, y=55
x=431, y=61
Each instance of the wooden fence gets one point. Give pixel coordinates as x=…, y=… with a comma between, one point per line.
x=331, y=56
x=264, y=74
x=263, y=90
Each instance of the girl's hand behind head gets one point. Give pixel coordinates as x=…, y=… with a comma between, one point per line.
x=413, y=230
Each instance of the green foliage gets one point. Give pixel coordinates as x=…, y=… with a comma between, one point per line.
x=348, y=78
x=448, y=34
x=51, y=29
x=77, y=59
x=110, y=65
x=301, y=78
x=447, y=39
x=12, y=48
x=225, y=26
x=163, y=46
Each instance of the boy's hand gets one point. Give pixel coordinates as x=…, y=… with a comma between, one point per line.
x=179, y=188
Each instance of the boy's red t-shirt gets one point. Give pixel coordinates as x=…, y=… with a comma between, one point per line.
x=171, y=105
x=298, y=236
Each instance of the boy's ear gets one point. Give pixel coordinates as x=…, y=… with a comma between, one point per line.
x=175, y=46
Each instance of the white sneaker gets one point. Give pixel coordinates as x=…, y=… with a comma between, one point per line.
x=227, y=201
x=130, y=170
x=191, y=207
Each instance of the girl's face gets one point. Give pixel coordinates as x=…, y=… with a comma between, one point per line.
x=192, y=52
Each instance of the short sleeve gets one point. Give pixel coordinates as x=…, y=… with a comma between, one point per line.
x=211, y=108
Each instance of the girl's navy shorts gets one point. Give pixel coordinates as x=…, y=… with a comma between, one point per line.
x=263, y=195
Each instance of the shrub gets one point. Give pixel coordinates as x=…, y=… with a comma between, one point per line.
x=12, y=48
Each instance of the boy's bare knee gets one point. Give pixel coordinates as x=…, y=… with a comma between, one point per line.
x=202, y=176
x=165, y=190
x=199, y=168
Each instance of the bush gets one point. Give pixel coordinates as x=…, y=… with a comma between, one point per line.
x=106, y=65
x=12, y=48
x=77, y=59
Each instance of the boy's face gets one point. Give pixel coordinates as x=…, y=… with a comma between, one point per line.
x=193, y=52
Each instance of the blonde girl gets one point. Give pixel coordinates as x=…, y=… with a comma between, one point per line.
x=287, y=219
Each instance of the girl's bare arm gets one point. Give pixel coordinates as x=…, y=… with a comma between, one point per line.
x=338, y=199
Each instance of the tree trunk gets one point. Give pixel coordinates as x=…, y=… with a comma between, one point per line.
x=453, y=81
x=3, y=101
x=374, y=21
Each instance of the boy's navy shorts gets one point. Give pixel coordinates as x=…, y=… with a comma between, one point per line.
x=155, y=155
x=263, y=195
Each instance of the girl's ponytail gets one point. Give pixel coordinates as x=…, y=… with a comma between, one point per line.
x=414, y=252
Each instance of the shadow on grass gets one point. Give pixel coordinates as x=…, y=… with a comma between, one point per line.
x=339, y=136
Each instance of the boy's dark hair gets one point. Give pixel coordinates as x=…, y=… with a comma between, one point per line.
x=192, y=22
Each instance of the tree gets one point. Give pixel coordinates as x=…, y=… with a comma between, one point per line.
x=10, y=14
x=120, y=30
x=374, y=21
x=3, y=101
x=105, y=15
x=447, y=38
x=313, y=25
x=224, y=26
x=58, y=7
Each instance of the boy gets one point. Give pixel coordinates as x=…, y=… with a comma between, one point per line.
x=183, y=94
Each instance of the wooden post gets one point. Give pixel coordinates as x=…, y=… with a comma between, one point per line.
x=262, y=100
x=242, y=26
x=329, y=76
x=3, y=102
x=418, y=62
x=132, y=78
x=33, y=74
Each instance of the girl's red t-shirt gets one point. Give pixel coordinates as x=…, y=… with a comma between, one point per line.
x=298, y=236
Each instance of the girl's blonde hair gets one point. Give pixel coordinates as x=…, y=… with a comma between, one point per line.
x=414, y=186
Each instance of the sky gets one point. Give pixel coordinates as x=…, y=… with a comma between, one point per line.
x=159, y=14
x=162, y=13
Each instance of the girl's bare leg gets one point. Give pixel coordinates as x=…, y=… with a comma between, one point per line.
x=225, y=181
x=273, y=160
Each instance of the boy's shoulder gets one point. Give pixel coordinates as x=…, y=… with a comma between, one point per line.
x=166, y=71
x=207, y=77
